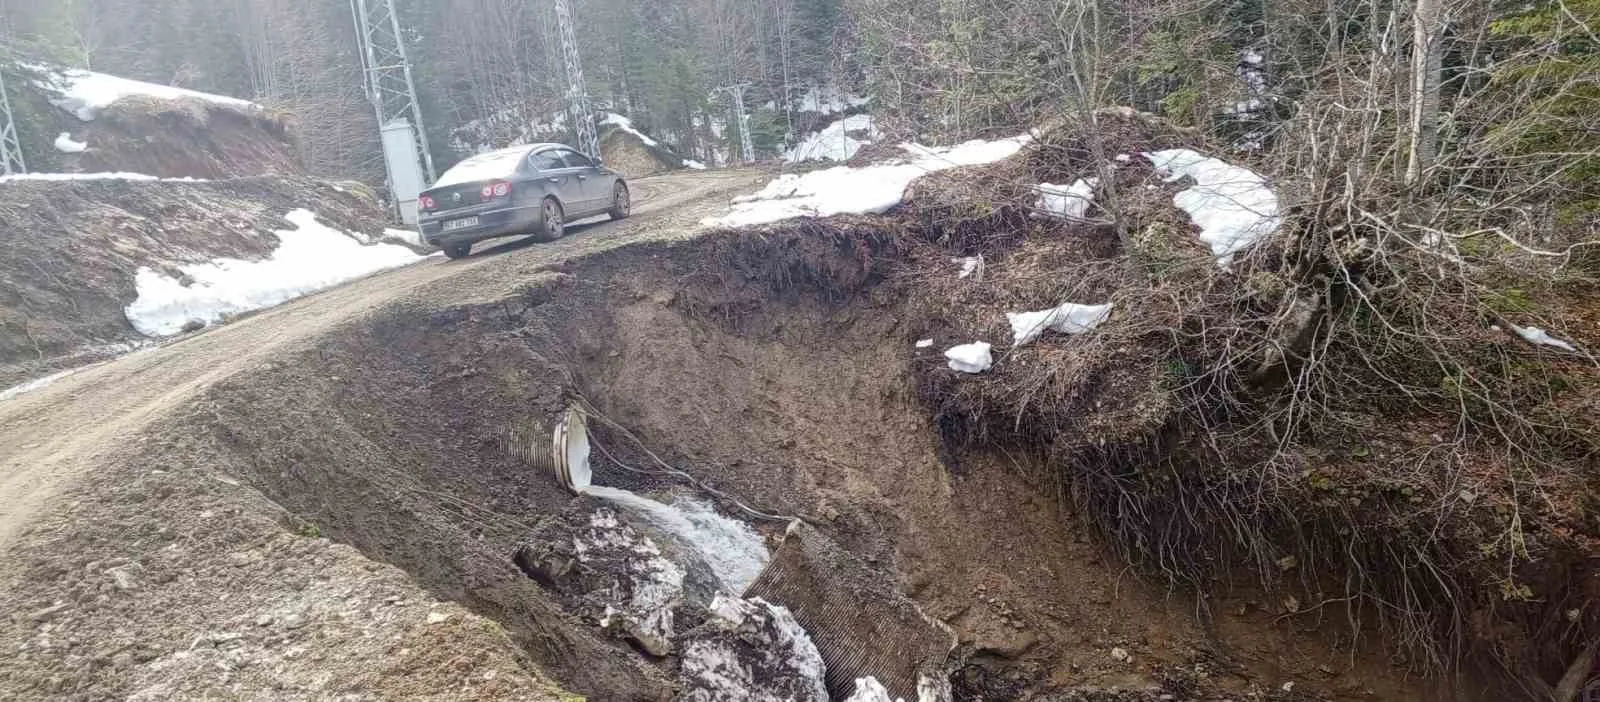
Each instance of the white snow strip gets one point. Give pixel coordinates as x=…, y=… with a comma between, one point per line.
x=693, y=165
x=95, y=176
x=869, y=190
x=1070, y=202
x=836, y=142
x=626, y=125
x=310, y=257
x=970, y=358
x=32, y=385
x=969, y=265
x=868, y=689
x=410, y=236
x=67, y=145
x=925, y=344
x=1068, y=318
x=85, y=93
x=1538, y=337
x=1233, y=206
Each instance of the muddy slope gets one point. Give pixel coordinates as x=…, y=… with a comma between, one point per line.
x=73, y=248
x=777, y=366
x=184, y=138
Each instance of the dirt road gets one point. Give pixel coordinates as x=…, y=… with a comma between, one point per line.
x=49, y=436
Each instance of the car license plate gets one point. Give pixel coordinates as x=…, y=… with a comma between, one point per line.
x=455, y=224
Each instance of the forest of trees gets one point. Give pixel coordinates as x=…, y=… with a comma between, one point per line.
x=493, y=64
x=1517, y=76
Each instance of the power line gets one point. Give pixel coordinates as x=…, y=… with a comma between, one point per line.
x=577, y=89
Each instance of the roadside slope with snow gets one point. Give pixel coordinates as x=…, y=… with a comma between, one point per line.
x=78, y=246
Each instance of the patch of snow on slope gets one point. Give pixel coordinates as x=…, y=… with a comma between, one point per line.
x=752, y=651
x=85, y=93
x=94, y=176
x=310, y=257
x=626, y=125
x=835, y=141
x=1233, y=206
x=32, y=385
x=828, y=101
x=1539, y=337
x=1070, y=202
x=970, y=358
x=67, y=145
x=1068, y=318
x=869, y=190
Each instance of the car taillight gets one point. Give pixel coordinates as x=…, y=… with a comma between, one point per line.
x=496, y=189
x=426, y=202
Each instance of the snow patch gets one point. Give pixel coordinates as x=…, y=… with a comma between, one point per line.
x=836, y=142
x=410, y=236
x=32, y=385
x=1069, y=202
x=828, y=100
x=753, y=651
x=869, y=190
x=1068, y=318
x=1233, y=206
x=969, y=266
x=693, y=165
x=96, y=176
x=970, y=358
x=67, y=145
x=85, y=93
x=1539, y=337
x=925, y=344
x=310, y=257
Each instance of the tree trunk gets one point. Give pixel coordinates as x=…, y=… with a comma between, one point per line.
x=1427, y=52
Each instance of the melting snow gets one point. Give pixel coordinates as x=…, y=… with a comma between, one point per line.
x=834, y=142
x=67, y=145
x=94, y=176
x=626, y=125
x=828, y=101
x=1067, y=201
x=869, y=190
x=1069, y=318
x=970, y=265
x=1538, y=337
x=761, y=655
x=925, y=344
x=1233, y=206
x=310, y=257
x=85, y=93
x=970, y=358
x=32, y=385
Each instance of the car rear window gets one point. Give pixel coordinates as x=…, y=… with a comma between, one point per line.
x=496, y=164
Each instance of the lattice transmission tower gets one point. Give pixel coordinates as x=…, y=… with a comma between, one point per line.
x=393, y=93
x=577, y=89
x=11, y=161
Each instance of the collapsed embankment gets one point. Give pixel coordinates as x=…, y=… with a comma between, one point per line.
x=781, y=366
x=778, y=366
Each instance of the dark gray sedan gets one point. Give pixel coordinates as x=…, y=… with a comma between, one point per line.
x=521, y=190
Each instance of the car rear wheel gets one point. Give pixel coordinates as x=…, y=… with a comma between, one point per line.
x=458, y=250
x=621, y=201
x=555, y=220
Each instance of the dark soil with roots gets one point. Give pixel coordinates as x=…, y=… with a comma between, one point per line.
x=777, y=367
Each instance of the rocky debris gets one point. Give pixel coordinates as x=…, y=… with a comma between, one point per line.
x=750, y=650
x=609, y=571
